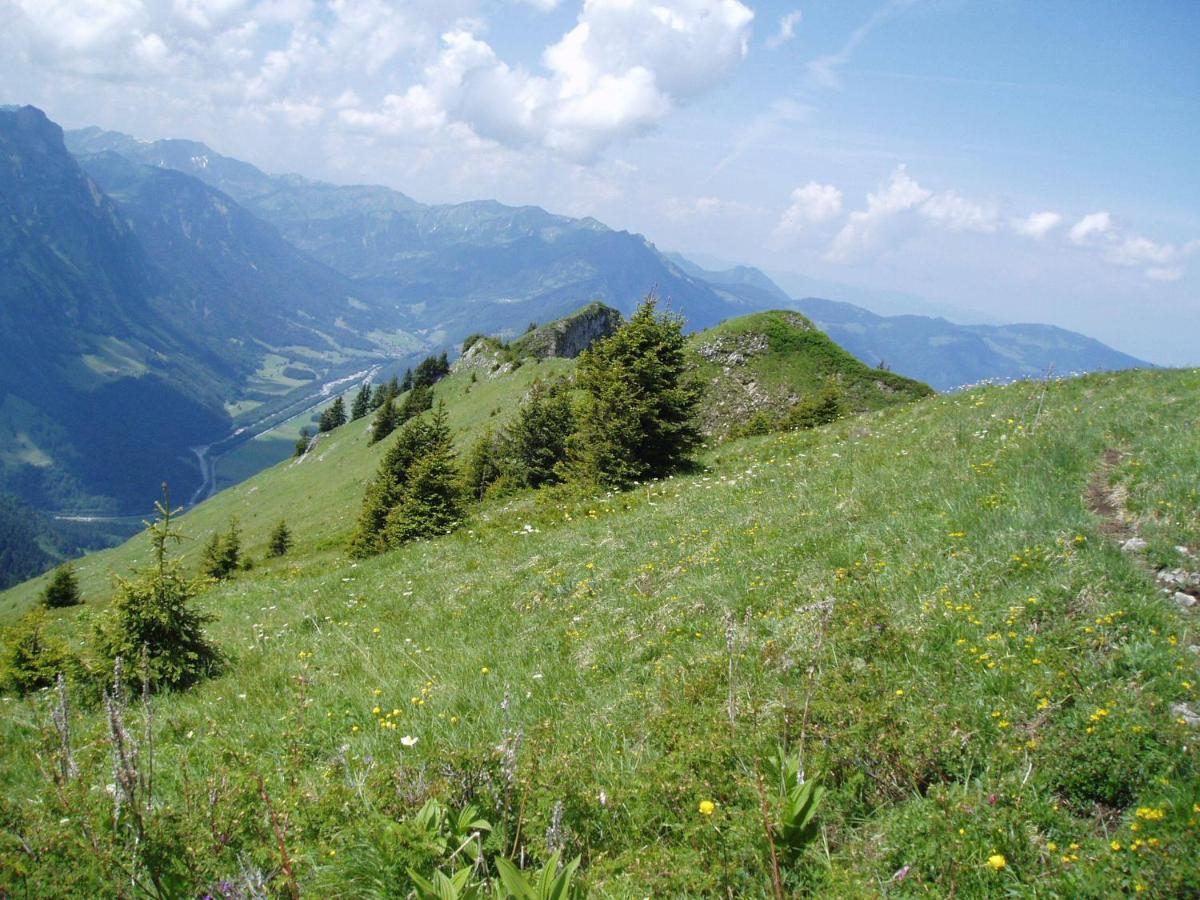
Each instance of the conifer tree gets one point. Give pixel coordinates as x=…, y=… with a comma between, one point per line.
x=638, y=418
x=483, y=464
x=407, y=383
x=222, y=554
x=280, y=540
x=416, y=491
x=334, y=416
x=34, y=657
x=302, y=442
x=63, y=589
x=537, y=439
x=152, y=613
x=385, y=421
x=362, y=403
x=419, y=399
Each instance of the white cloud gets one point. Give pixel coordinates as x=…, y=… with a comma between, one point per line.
x=1137, y=251
x=1091, y=227
x=1037, y=225
x=955, y=213
x=811, y=205
x=824, y=69
x=900, y=194
x=623, y=67
x=787, y=29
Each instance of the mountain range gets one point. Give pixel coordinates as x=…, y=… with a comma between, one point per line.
x=158, y=296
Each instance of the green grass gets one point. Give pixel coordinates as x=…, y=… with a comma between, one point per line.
x=917, y=600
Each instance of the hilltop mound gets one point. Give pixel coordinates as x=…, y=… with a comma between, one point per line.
x=765, y=364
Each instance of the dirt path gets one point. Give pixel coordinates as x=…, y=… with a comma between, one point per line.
x=1182, y=586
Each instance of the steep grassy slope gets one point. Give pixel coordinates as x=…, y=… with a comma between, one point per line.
x=918, y=601
x=756, y=363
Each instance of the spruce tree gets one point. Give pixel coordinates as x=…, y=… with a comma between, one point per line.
x=280, y=540
x=638, y=418
x=416, y=491
x=334, y=416
x=223, y=553
x=407, y=383
x=385, y=421
x=362, y=403
x=537, y=438
x=63, y=589
x=419, y=399
x=34, y=657
x=483, y=464
x=152, y=613
x=302, y=442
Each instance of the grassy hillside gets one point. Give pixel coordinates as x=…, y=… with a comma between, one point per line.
x=778, y=354
x=918, y=601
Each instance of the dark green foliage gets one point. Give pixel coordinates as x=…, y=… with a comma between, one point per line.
x=416, y=492
x=362, y=403
x=223, y=553
x=385, y=422
x=34, y=658
x=821, y=409
x=280, y=540
x=334, y=416
x=387, y=391
x=302, y=442
x=537, y=439
x=638, y=418
x=406, y=383
x=419, y=399
x=63, y=589
x=483, y=465
x=430, y=371
x=469, y=341
x=152, y=614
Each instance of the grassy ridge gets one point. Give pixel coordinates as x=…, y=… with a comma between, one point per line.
x=917, y=600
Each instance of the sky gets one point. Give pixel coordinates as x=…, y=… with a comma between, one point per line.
x=1009, y=160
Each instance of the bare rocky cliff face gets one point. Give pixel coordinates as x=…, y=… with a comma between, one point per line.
x=570, y=336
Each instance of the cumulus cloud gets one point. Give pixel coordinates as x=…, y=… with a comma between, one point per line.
x=810, y=205
x=900, y=194
x=623, y=67
x=1090, y=228
x=787, y=29
x=1037, y=225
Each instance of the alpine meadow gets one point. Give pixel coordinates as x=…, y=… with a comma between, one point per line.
x=365, y=537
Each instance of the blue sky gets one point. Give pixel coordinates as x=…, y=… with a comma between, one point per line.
x=1010, y=161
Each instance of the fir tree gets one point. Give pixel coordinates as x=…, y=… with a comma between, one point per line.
x=35, y=657
x=223, y=553
x=385, y=421
x=362, y=403
x=302, y=442
x=415, y=493
x=280, y=540
x=537, y=438
x=407, y=384
x=638, y=418
x=334, y=416
x=63, y=589
x=419, y=399
x=483, y=465
x=152, y=614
